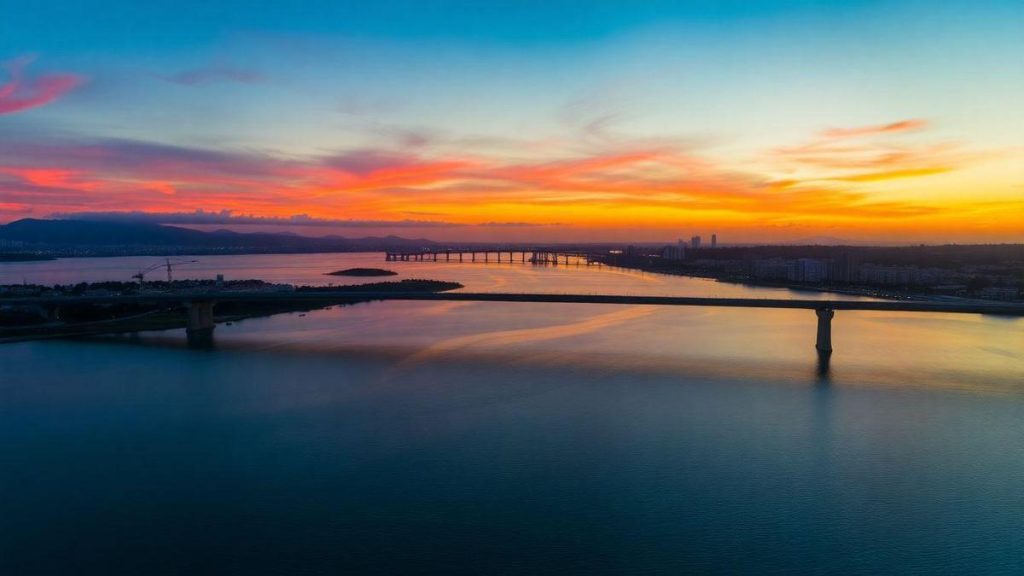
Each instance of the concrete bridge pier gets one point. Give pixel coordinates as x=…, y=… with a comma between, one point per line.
x=200, y=324
x=824, y=341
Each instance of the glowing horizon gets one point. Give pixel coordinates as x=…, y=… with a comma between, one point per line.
x=870, y=121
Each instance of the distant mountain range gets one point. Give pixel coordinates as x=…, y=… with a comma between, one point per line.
x=103, y=238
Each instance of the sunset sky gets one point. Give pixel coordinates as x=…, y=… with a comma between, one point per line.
x=532, y=120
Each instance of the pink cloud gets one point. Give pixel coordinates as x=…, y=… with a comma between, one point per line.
x=51, y=177
x=21, y=93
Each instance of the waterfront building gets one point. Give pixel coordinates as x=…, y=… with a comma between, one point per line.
x=890, y=275
x=677, y=252
x=844, y=268
x=806, y=270
x=769, y=269
x=999, y=293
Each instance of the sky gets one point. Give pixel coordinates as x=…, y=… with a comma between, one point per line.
x=554, y=120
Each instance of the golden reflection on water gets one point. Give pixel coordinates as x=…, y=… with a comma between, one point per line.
x=504, y=338
x=404, y=359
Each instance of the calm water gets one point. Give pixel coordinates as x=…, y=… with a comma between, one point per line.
x=485, y=438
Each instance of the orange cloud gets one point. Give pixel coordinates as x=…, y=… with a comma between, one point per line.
x=831, y=158
x=587, y=189
x=19, y=93
x=161, y=187
x=893, y=174
x=859, y=131
x=644, y=188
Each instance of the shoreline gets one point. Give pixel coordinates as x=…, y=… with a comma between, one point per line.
x=174, y=317
x=861, y=292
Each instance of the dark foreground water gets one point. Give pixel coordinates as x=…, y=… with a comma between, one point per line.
x=420, y=438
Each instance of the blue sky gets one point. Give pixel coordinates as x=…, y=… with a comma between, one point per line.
x=114, y=26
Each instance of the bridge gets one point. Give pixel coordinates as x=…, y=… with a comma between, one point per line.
x=200, y=305
x=545, y=256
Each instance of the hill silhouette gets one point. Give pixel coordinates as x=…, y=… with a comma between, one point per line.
x=143, y=238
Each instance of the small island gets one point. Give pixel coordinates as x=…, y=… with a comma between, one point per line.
x=363, y=272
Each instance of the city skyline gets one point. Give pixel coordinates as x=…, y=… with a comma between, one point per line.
x=872, y=122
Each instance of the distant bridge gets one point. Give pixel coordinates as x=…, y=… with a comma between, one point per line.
x=201, y=320
x=551, y=256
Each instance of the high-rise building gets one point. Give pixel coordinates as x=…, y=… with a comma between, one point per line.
x=714, y=240
x=695, y=242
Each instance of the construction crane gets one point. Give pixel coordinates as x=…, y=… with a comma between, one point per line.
x=168, y=264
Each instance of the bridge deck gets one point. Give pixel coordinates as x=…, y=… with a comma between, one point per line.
x=333, y=296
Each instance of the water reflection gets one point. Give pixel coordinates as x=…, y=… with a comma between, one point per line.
x=318, y=453
x=393, y=437
x=201, y=339
x=824, y=359
x=501, y=351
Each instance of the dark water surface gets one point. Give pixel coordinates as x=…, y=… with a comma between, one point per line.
x=481, y=438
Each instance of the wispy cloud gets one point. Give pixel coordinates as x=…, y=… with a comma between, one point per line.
x=894, y=174
x=214, y=74
x=227, y=217
x=841, y=155
x=874, y=130
x=21, y=93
